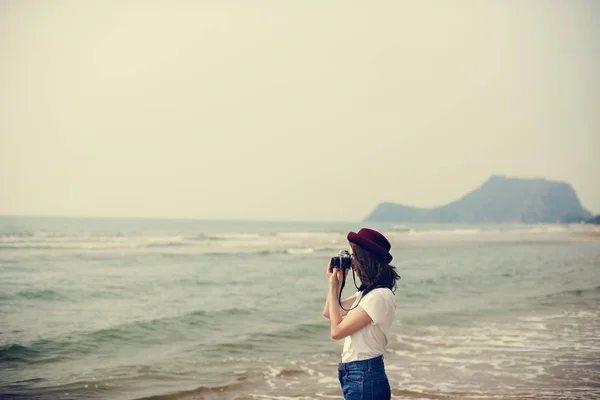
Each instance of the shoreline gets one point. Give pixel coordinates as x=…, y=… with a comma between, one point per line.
x=595, y=234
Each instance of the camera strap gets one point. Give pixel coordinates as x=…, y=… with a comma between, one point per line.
x=342, y=288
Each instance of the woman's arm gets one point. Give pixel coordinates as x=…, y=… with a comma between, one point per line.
x=352, y=323
x=347, y=303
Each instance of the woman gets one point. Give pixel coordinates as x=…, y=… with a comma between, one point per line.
x=366, y=325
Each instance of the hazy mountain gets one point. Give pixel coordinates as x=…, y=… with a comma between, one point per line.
x=499, y=199
x=594, y=220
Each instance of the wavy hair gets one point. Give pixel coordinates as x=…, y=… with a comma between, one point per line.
x=372, y=271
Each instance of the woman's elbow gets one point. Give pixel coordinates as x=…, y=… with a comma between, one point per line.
x=336, y=335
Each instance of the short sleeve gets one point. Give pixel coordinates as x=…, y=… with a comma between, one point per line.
x=374, y=303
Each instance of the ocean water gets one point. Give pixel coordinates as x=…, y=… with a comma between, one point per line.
x=186, y=309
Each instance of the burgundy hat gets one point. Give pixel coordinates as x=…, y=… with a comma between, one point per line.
x=373, y=241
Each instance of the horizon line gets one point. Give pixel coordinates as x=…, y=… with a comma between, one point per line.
x=178, y=218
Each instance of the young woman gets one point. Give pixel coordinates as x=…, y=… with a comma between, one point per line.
x=366, y=326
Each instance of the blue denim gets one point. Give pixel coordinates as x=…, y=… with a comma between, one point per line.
x=364, y=380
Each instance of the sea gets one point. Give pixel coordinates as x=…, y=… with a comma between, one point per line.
x=195, y=309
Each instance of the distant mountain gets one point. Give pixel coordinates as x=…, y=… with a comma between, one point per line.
x=499, y=199
x=594, y=220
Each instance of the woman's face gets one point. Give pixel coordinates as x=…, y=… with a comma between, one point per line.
x=353, y=261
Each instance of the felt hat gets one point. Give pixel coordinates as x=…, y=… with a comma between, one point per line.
x=375, y=242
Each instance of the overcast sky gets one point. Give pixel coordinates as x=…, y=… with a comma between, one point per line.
x=281, y=110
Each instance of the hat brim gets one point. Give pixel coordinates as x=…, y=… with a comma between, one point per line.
x=370, y=245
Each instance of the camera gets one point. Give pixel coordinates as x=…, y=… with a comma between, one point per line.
x=343, y=260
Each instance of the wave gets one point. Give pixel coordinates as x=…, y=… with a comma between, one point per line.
x=15, y=235
x=300, y=331
x=234, y=253
x=50, y=295
x=41, y=295
x=310, y=250
x=73, y=246
x=473, y=231
x=403, y=230
x=169, y=244
x=579, y=296
x=411, y=394
x=76, y=344
x=291, y=243
x=98, y=388
x=290, y=251
x=308, y=235
x=17, y=352
x=27, y=247
x=56, y=237
x=234, y=236
x=83, y=342
x=203, y=237
x=243, y=243
x=265, y=340
x=139, y=330
x=575, y=293
x=201, y=391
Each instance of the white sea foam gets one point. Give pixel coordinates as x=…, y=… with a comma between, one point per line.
x=310, y=235
x=291, y=243
x=235, y=236
x=268, y=397
x=309, y=371
x=328, y=379
x=326, y=396
x=308, y=250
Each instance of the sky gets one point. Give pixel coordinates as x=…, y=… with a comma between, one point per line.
x=281, y=110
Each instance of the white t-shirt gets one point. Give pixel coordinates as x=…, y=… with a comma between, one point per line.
x=371, y=340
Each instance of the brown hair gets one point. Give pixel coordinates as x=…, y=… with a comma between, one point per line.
x=372, y=271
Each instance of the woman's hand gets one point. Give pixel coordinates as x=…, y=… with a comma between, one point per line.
x=335, y=276
x=329, y=271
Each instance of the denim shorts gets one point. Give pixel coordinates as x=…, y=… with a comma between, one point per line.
x=364, y=380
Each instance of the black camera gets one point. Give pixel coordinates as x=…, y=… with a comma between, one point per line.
x=343, y=260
